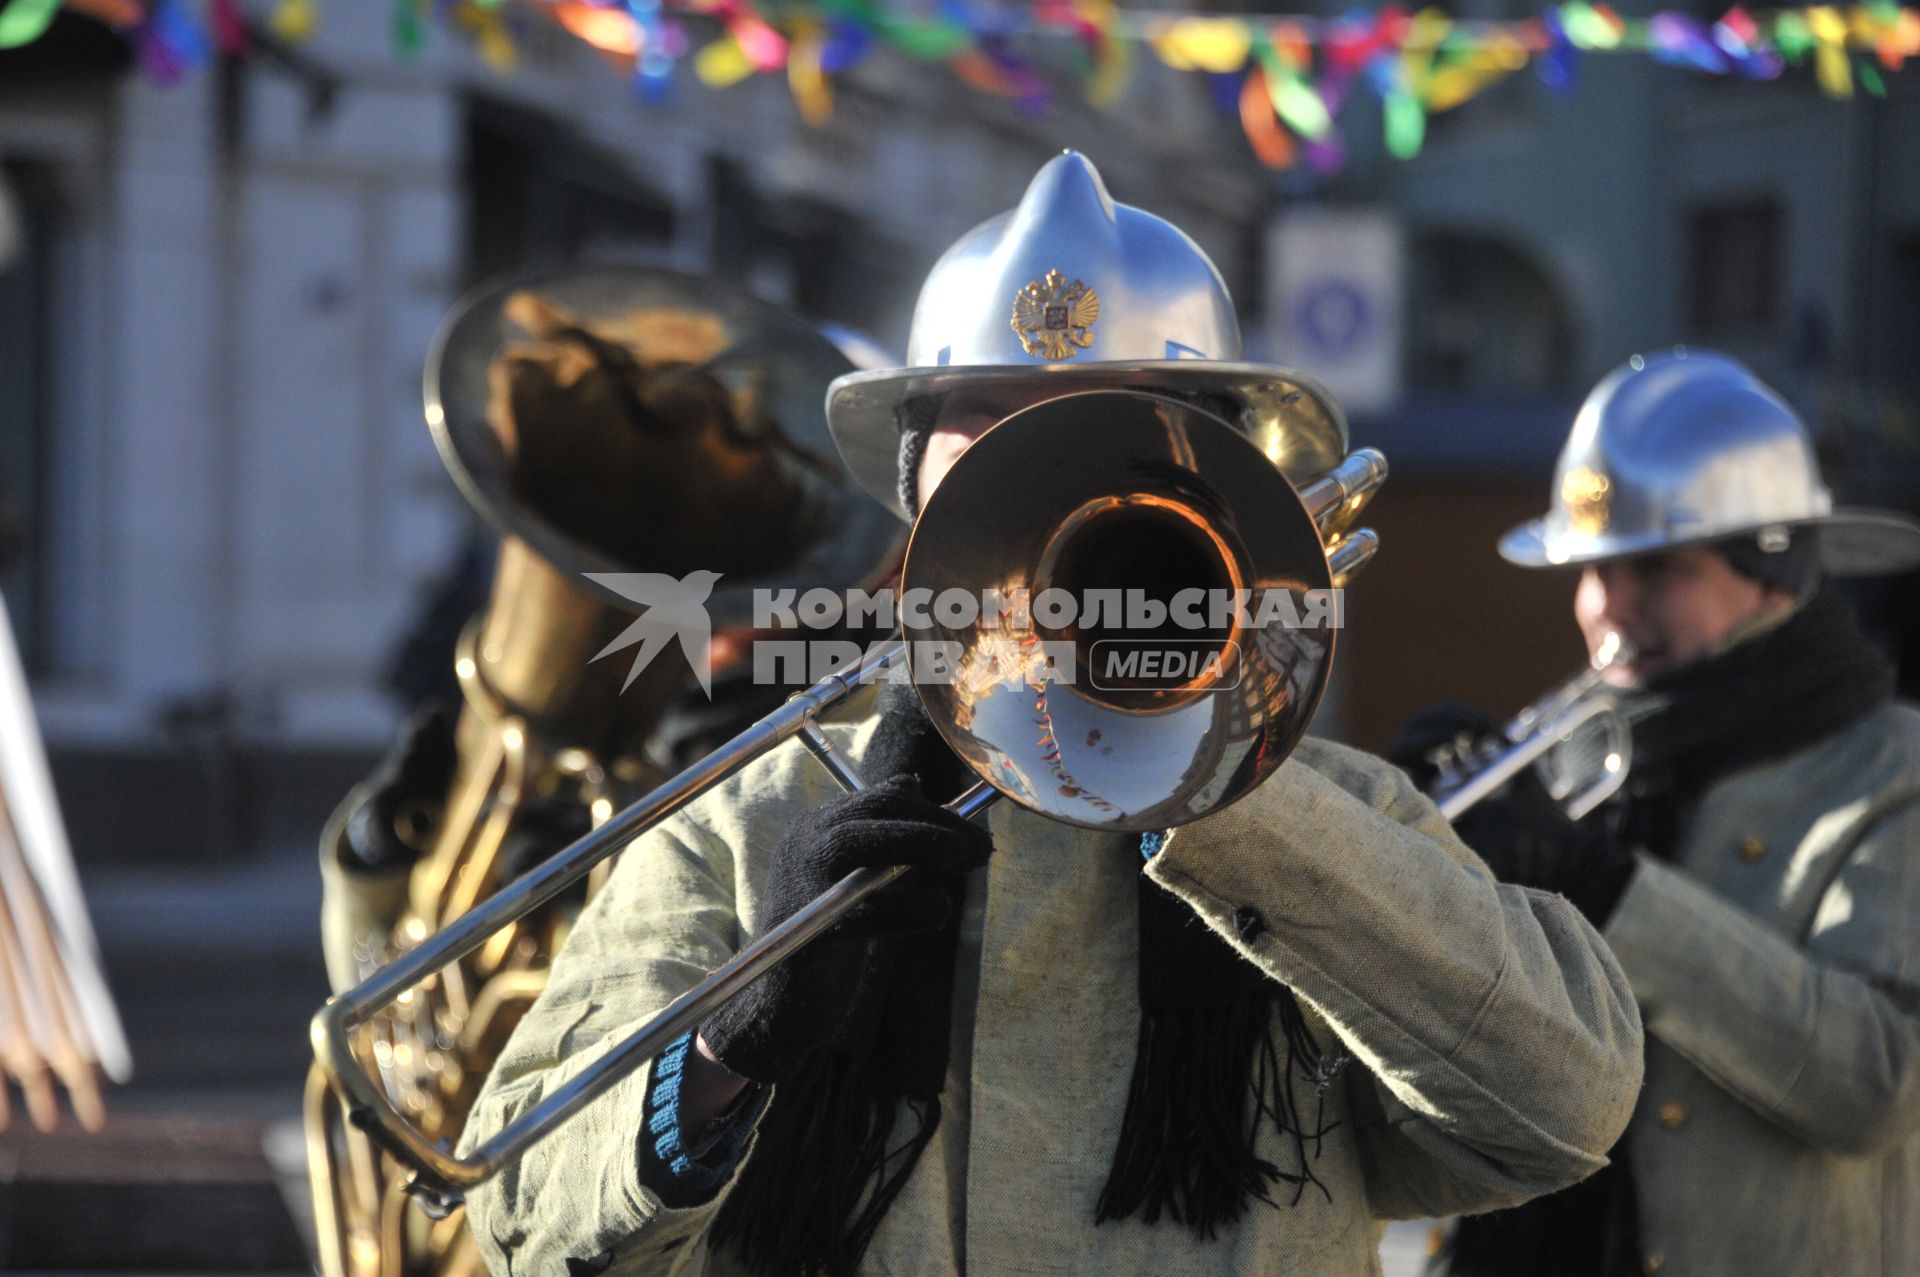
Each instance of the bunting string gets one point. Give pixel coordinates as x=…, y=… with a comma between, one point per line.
x=1285, y=78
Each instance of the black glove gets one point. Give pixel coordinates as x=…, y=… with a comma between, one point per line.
x=405, y=793
x=804, y=1005
x=1432, y=730
x=1526, y=838
x=541, y=827
x=1519, y=830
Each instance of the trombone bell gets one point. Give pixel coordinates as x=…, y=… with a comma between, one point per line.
x=1145, y=699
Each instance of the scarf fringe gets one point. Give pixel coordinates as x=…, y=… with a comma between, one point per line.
x=1204, y=1080
x=814, y=1200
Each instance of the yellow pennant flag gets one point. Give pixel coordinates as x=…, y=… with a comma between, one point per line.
x=1219, y=45
x=294, y=20
x=811, y=92
x=722, y=64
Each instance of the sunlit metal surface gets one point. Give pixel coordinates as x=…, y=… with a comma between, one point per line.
x=1028, y=493
x=1164, y=323
x=1683, y=447
x=1576, y=736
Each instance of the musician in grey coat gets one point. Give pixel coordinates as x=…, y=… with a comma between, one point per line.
x=1758, y=878
x=1234, y=1048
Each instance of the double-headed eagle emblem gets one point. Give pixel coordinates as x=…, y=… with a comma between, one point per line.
x=1053, y=317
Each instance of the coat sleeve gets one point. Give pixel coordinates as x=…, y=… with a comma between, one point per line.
x=665, y=918
x=1501, y=1041
x=1820, y=1038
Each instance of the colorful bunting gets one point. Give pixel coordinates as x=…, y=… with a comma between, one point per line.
x=1286, y=78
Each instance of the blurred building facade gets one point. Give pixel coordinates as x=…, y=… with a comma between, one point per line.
x=235, y=514
x=1551, y=236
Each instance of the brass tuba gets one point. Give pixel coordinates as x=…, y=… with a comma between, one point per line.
x=614, y=427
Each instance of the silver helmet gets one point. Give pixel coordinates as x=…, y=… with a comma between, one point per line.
x=1690, y=446
x=1089, y=294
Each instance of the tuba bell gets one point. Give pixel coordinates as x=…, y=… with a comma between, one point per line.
x=614, y=427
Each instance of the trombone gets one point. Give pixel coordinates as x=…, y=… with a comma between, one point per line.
x=1150, y=472
x=1567, y=717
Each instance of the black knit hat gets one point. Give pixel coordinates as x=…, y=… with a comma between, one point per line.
x=915, y=418
x=1779, y=558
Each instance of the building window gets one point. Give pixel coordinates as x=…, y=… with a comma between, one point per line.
x=1484, y=319
x=1899, y=336
x=543, y=194
x=1733, y=265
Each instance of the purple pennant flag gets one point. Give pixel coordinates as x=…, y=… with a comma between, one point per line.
x=1029, y=90
x=156, y=59
x=1333, y=87
x=1750, y=61
x=1326, y=156
x=1683, y=41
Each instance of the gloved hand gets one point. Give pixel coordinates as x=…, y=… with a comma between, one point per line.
x=541, y=827
x=1524, y=836
x=1431, y=730
x=805, y=1004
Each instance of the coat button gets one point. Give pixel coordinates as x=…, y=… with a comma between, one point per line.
x=1673, y=1115
x=1752, y=847
x=1248, y=923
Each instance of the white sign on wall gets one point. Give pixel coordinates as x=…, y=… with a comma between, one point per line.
x=1335, y=287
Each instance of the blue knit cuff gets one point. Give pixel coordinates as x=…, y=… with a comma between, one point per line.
x=685, y=1176
x=1151, y=843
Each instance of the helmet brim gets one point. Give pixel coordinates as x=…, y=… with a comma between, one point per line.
x=1853, y=542
x=1292, y=417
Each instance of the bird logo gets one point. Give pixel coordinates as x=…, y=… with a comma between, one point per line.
x=674, y=608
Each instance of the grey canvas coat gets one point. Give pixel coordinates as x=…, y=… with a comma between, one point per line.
x=1777, y=963
x=1497, y=1047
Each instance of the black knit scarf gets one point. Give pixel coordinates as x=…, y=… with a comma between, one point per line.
x=1222, y=1052
x=1780, y=692
x=1768, y=698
